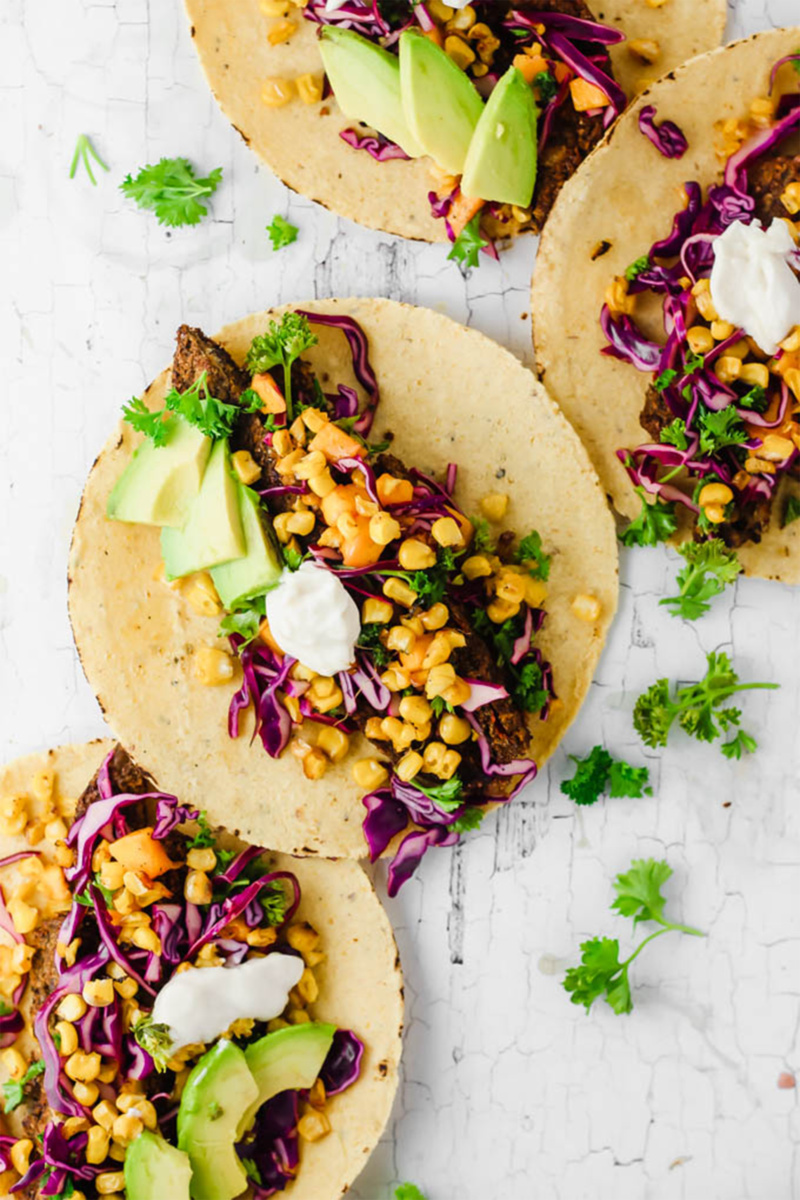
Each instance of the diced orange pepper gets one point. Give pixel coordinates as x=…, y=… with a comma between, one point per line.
x=789, y=360
x=435, y=35
x=360, y=550
x=341, y=500
x=529, y=67
x=463, y=209
x=267, y=390
x=392, y=490
x=412, y=661
x=335, y=443
x=561, y=71
x=586, y=96
x=139, y=851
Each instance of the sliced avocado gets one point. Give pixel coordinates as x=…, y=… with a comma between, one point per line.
x=261, y=567
x=366, y=83
x=501, y=161
x=288, y=1058
x=440, y=102
x=213, y=534
x=154, y=1169
x=160, y=483
x=218, y=1092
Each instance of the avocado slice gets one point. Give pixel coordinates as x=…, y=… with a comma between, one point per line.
x=154, y=1169
x=288, y=1058
x=160, y=483
x=261, y=567
x=441, y=105
x=213, y=533
x=218, y=1092
x=366, y=82
x=501, y=161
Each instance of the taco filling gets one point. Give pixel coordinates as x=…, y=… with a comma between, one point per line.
x=355, y=594
x=721, y=411
x=171, y=991
x=505, y=100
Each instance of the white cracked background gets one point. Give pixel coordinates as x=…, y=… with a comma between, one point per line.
x=508, y=1090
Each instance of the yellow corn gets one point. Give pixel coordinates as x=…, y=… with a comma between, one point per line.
x=439, y=650
x=463, y=19
x=510, y=586
x=500, y=610
x=13, y=815
x=400, y=592
x=727, y=368
x=127, y=1127
x=373, y=729
x=315, y=764
x=274, y=8
x=714, y=513
x=86, y=1093
x=585, y=607
x=72, y=1007
x=201, y=595
x=646, y=49
x=112, y=875
x=415, y=709
x=147, y=939
x=276, y=92
x=201, y=858
x=245, y=466
x=400, y=638
x=105, y=1114
x=197, y=888
x=792, y=342
x=213, y=666
x=790, y=199
x=447, y=532
x=461, y=54
x=286, y=465
x=56, y=830
x=459, y=692
x=700, y=339
x=73, y=1126
x=454, y=730
x=308, y=987
x=440, y=678
x=68, y=1036
x=24, y=916
x=21, y=1154
x=282, y=443
x=110, y=1181
x=301, y=523
x=98, y=993
x=97, y=1145
x=42, y=785
x=376, y=612
x=311, y=464
x=395, y=679
x=309, y=88
x=14, y=1062
x=715, y=493
x=494, y=506
x=705, y=305
x=435, y=618
x=334, y=742
x=84, y=1068
x=720, y=330
x=477, y=566
x=415, y=555
x=281, y=32
x=618, y=297
x=775, y=448
x=383, y=529
x=127, y=988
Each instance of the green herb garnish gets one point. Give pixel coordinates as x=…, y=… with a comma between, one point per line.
x=215, y=418
x=84, y=153
x=281, y=346
x=530, y=552
x=369, y=639
x=14, y=1090
x=710, y=566
x=720, y=429
x=171, y=190
x=469, y=243
x=791, y=511
x=598, y=772
x=655, y=523
x=635, y=269
x=281, y=232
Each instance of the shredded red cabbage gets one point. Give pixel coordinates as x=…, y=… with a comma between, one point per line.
x=376, y=145
x=362, y=368
x=668, y=138
x=342, y=1066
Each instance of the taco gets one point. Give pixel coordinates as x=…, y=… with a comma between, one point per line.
x=182, y=1014
x=667, y=310
x=382, y=594
x=377, y=108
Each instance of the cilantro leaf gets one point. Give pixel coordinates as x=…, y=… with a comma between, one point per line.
x=665, y=379
x=215, y=418
x=447, y=795
x=600, y=973
x=528, y=691
x=547, y=87
x=469, y=819
x=710, y=566
x=639, y=890
x=674, y=434
x=598, y=772
x=204, y=836
x=527, y=678
x=469, y=243
x=275, y=902
x=281, y=346
x=720, y=429
x=635, y=269
x=292, y=557
x=408, y=1191
x=743, y=743
x=246, y=620
x=754, y=399
x=155, y=1038
x=5, y=1009
x=482, y=540
x=171, y=190
x=151, y=424
x=530, y=552
x=84, y=153
x=281, y=232
x=369, y=639
x=791, y=512
x=696, y=707
x=14, y=1090
x=655, y=523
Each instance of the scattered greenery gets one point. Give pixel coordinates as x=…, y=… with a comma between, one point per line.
x=408, y=1191
x=84, y=153
x=447, y=795
x=155, y=1038
x=655, y=523
x=710, y=567
x=469, y=243
x=635, y=269
x=470, y=819
x=171, y=190
x=720, y=429
x=370, y=640
x=14, y=1089
x=665, y=379
x=674, y=434
x=598, y=772
x=246, y=619
x=547, y=87
x=281, y=232
x=791, y=511
x=204, y=837
x=281, y=346
x=755, y=399
x=696, y=707
x=527, y=689
x=601, y=973
x=215, y=418
x=530, y=552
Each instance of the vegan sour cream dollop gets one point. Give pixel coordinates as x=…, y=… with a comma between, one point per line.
x=313, y=618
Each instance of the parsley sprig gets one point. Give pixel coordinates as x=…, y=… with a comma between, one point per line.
x=281, y=346
x=408, y=1191
x=14, y=1090
x=655, y=523
x=530, y=552
x=171, y=190
x=710, y=567
x=599, y=772
x=601, y=972
x=215, y=418
x=281, y=232
x=469, y=243
x=697, y=707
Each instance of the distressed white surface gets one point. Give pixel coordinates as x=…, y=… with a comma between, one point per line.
x=509, y=1091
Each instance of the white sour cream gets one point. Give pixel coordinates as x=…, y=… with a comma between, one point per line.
x=752, y=284
x=312, y=617
x=201, y=1004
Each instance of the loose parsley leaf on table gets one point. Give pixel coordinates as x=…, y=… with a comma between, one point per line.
x=84, y=153
x=469, y=243
x=281, y=346
x=171, y=190
x=696, y=707
x=601, y=971
x=408, y=1191
x=598, y=772
x=14, y=1090
x=281, y=232
x=655, y=523
x=710, y=566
